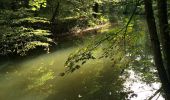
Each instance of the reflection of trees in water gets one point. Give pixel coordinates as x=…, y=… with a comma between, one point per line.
x=100, y=83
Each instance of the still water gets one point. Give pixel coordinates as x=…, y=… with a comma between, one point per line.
x=37, y=78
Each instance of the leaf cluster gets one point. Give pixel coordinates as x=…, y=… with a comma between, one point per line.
x=16, y=34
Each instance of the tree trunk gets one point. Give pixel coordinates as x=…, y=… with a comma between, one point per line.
x=156, y=48
x=55, y=13
x=95, y=9
x=164, y=32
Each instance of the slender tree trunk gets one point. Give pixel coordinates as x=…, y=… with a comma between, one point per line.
x=95, y=9
x=156, y=48
x=55, y=13
x=126, y=8
x=53, y=20
x=164, y=32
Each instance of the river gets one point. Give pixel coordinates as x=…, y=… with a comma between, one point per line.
x=37, y=78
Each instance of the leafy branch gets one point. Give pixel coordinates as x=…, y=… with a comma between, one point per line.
x=86, y=53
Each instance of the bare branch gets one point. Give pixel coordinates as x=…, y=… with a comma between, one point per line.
x=158, y=91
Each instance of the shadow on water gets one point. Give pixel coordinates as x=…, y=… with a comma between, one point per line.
x=13, y=59
x=37, y=78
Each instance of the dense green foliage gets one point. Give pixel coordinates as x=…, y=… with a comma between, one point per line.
x=16, y=34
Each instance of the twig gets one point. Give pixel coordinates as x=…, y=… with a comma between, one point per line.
x=158, y=96
x=158, y=91
x=127, y=25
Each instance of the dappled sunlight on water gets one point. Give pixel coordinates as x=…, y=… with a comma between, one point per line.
x=142, y=90
x=38, y=79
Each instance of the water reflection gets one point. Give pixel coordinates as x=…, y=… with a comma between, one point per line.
x=142, y=90
x=38, y=79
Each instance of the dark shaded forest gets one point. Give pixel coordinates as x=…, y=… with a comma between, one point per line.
x=84, y=50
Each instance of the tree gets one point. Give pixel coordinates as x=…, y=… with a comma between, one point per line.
x=156, y=45
x=163, y=71
x=55, y=12
x=164, y=33
x=95, y=9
